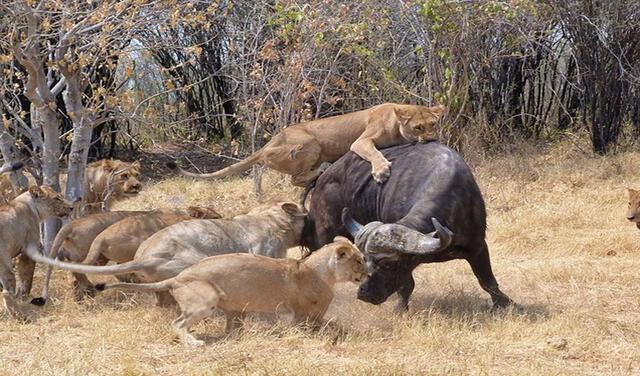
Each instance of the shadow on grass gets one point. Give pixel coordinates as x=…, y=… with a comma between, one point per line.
x=464, y=306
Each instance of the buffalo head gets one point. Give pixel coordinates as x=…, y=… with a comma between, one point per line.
x=390, y=251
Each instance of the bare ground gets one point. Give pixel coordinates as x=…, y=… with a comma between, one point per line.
x=560, y=247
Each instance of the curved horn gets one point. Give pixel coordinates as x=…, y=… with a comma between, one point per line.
x=444, y=234
x=352, y=226
x=403, y=239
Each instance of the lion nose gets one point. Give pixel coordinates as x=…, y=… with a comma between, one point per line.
x=136, y=187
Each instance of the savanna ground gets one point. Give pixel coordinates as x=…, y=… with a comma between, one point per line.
x=560, y=247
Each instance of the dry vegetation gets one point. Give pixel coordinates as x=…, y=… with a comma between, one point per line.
x=560, y=247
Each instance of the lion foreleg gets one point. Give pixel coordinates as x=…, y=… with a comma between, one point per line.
x=365, y=147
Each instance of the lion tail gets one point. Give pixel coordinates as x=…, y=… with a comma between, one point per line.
x=55, y=248
x=227, y=171
x=125, y=267
x=165, y=285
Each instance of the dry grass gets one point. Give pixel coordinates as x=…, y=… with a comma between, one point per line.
x=560, y=247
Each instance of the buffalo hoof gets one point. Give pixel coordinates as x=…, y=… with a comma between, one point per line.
x=503, y=303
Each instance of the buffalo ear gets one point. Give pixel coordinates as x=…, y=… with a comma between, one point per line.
x=438, y=110
x=35, y=191
x=293, y=209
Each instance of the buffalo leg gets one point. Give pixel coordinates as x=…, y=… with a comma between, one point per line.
x=481, y=266
x=404, y=293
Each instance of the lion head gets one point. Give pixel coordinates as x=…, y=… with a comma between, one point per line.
x=419, y=123
x=113, y=178
x=633, y=211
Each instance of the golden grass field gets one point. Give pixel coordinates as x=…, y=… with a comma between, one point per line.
x=560, y=246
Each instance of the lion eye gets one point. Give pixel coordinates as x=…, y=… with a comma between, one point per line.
x=124, y=176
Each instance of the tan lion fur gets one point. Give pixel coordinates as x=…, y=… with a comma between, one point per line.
x=20, y=233
x=297, y=290
x=74, y=240
x=300, y=149
x=125, y=185
x=267, y=230
x=120, y=241
x=633, y=210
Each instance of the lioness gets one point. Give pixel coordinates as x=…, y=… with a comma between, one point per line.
x=266, y=230
x=125, y=183
x=300, y=149
x=6, y=189
x=124, y=178
x=120, y=241
x=633, y=211
x=76, y=237
x=298, y=290
x=20, y=235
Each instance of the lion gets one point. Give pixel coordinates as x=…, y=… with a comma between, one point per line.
x=7, y=192
x=122, y=177
x=267, y=230
x=120, y=241
x=300, y=149
x=296, y=290
x=633, y=210
x=76, y=238
x=20, y=236
x=109, y=180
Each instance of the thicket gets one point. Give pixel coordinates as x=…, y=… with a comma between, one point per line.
x=232, y=73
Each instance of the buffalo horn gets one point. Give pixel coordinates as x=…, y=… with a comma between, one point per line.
x=352, y=226
x=403, y=239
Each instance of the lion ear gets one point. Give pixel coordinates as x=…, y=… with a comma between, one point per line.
x=35, y=191
x=293, y=209
x=342, y=252
x=195, y=212
x=631, y=192
x=136, y=164
x=108, y=165
x=403, y=113
x=438, y=110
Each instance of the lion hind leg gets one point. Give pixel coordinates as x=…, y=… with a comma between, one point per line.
x=8, y=290
x=299, y=156
x=25, y=268
x=197, y=301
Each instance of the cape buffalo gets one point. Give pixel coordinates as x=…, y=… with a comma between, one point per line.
x=429, y=184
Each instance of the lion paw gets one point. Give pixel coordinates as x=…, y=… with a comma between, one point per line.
x=381, y=173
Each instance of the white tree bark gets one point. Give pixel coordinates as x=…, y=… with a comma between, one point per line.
x=81, y=137
x=50, y=166
x=18, y=181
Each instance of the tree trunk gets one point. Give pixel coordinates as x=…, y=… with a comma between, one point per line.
x=81, y=140
x=19, y=182
x=50, y=170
